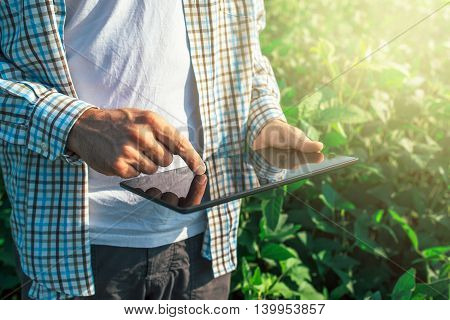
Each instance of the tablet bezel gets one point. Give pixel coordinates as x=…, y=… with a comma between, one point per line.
x=240, y=194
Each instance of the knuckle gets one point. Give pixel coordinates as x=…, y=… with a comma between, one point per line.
x=126, y=114
x=116, y=165
x=180, y=144
x=150, y=168
x=150, y=117
x=124, y=175
x=167, y=159
x=126, y=151
x=133, y=174
x=120, y=168
x=129, y=175
x=134, y=132
x=192, y=164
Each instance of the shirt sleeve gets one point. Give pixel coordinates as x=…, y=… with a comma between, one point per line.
x=265, y=171
x=265, y=99
x=37, y=116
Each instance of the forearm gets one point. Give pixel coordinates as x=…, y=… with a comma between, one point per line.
x=265, y=98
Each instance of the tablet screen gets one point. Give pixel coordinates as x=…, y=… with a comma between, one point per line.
x=230, y=177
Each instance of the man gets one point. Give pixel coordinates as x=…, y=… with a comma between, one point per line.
x=92, y=92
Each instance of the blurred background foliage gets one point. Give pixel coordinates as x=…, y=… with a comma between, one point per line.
x=379, y=229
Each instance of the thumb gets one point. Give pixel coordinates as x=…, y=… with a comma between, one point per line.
x=306, y=145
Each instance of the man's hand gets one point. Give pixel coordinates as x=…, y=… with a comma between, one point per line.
x=194, y=196
x=125, y=142
x=278, y=134
x=289, y=158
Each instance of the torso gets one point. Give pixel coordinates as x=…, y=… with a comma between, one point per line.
x=134, y=53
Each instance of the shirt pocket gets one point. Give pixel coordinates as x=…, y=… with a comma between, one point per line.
x=239, y=9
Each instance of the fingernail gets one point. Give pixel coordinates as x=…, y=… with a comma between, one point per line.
x=201, y=169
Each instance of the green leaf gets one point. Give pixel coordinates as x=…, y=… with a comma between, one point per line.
x=436, y=290
x=333, y=139
x=343, y=261
x=435, y=252
x=282, y=233
x=272, y=210
x=291, y=114
x=287, y=95
x=252, y=206
x=277, y=252
x=392, y=76
x=362, y=235
x=310, y=131
x=256, y=278
x=299, y=274
x=324, y=225
x=405, y=286
x=247, y=240
x=263, y=230
x=288, y=264
x=296, y=185
x=408, y=230
x=308, y=292
x=382, y=192
x=382, y=105
x=310, y=104
x=339, y=291
x=375, y=296
x=348, y=114
x=245, y=269
x=407, y=144
x=379, y=215
x=282, y=289
x=328, y=196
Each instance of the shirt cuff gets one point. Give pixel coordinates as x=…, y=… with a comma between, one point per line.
x=263, y=111
x=50, y=123
x=264, y=169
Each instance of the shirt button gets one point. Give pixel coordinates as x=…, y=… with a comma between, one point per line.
x=44, y=146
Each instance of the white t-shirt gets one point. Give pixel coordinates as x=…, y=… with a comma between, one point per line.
x=126, y=53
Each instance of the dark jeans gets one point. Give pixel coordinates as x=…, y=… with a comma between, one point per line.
x=173, y=271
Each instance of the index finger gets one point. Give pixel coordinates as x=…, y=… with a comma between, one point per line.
x=176, y=143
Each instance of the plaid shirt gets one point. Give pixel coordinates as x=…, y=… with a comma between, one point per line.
x=47, y=185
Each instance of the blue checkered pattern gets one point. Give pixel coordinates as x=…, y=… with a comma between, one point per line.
x=47, y=185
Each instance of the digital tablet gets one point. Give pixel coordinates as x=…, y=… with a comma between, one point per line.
x=232, y=176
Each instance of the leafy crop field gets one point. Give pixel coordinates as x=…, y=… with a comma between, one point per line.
x=379, y=229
